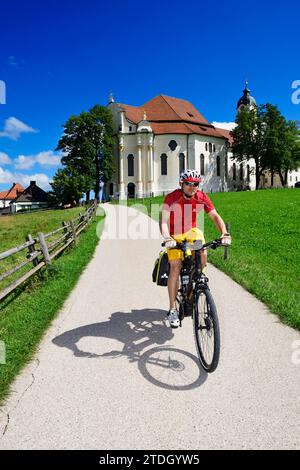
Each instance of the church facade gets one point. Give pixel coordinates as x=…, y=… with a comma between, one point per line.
x=158, y=140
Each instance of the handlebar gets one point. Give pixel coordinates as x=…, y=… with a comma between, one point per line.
x=197, y=245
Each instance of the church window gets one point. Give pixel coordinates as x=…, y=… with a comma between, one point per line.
x=130, y=128
x=181, y=163
x=210, y=147
x=234, y=171
x=248, y=173
x=164, y=164
x=172, y=145
x=226, y=167
x=218, y=166
x=130, y=159
x=214, y=147
x=202, y=164
x=206, y=147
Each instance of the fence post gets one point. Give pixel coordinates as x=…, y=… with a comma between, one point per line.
x=65, y=225
x=73, y=231
x=44, y=248
x=31, y=250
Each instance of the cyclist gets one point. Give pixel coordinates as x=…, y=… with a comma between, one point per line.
x=178, y=221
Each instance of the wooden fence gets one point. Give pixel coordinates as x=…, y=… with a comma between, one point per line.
x=40, y=251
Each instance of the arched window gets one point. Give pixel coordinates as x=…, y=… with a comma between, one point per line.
x=234, y=171
x=248, y=173
x=181, y=162
x=172, y=145
x=218, y=166
x=206, y=147
x=214, y=147
x=130, y=159
x=226, y=167
x=241, y=172
x=202, y=164
x=164, y=164
x=210, y=147
x=111, y=189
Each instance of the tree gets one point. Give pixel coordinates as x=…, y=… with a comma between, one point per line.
x=67, y=187
x=264, y=135
x=291, y=154
x=248, y=140
x=87, y=144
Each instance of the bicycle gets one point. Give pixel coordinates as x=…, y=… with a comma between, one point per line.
x=195, y=300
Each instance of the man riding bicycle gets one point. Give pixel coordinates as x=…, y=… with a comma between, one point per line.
x=178, y=222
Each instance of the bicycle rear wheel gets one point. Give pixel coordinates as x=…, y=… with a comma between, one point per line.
x=206, y=330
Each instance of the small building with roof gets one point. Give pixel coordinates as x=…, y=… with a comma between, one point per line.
x=7, y=196
x=33, y=197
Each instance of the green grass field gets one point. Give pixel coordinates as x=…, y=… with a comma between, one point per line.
x=27, y=313
x=265, y=252
x=15, y=228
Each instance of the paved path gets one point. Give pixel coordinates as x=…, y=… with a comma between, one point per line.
x=103, y=375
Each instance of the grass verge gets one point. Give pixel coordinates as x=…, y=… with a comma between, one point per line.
x=26, y=314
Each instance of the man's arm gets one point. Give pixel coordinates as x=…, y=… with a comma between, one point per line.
x=163, y=223
x=218, y=221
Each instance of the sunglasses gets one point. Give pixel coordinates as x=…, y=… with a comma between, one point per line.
x=190, y=183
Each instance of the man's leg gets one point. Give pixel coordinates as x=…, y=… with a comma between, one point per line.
x=175, y=267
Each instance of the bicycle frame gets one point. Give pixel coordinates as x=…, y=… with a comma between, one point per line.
x=195, y=299
x=191, y=267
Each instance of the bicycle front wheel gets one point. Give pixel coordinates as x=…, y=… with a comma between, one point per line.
x=206, y=330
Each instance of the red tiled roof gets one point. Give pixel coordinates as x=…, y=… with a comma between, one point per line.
x=169, y=115
x=164, y=108
x=226, y=133
x=12, y=192
x=183, y=128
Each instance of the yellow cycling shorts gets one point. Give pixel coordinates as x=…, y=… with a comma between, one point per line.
x=192, y=235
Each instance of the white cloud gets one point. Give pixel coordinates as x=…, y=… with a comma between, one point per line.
x=48, y=158
x=41, y=179
x=45, y=159
x=8, y=178
x=225, y=125
x=24, y=163
x=4, y=159
x=13, y=128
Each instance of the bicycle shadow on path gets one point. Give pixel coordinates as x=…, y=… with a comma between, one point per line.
x=138, y=330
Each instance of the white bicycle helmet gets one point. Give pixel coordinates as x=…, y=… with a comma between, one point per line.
x=190, y=175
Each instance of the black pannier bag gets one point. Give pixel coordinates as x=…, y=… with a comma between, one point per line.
x=161, y=269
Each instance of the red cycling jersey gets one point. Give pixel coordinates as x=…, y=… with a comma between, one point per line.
x=183, y=212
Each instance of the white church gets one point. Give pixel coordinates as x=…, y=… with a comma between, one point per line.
x=166, y=135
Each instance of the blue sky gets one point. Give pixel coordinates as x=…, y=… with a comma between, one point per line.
x=59, y=58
